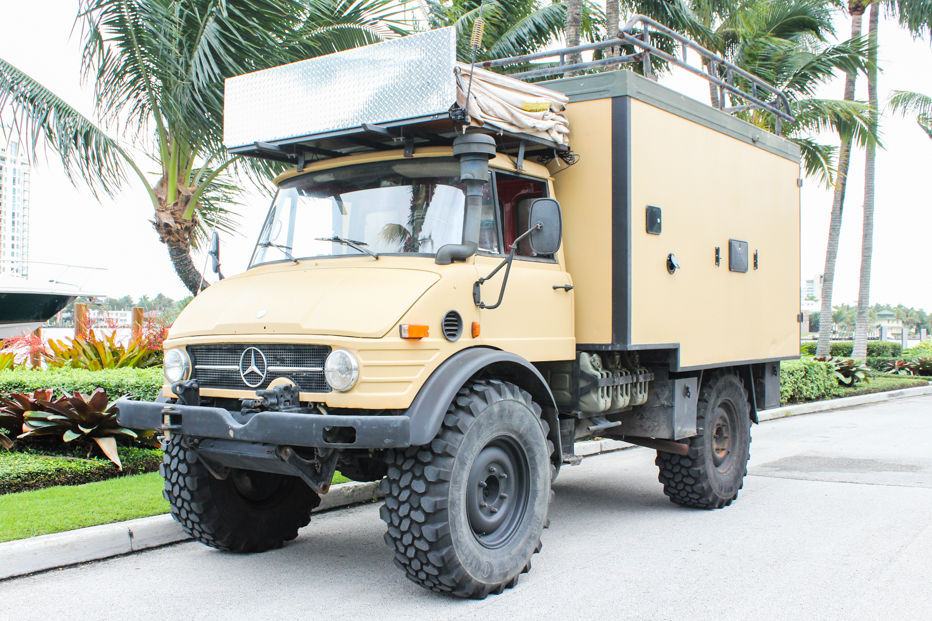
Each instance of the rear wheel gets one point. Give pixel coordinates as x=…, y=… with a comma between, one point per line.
x=712, y=473
x=248, y=511
x=465, y=514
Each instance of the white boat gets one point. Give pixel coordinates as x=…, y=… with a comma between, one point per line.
x=26, y=304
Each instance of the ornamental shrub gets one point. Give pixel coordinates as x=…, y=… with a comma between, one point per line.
x=806, y=380
x=844, y=349
x=142, y=384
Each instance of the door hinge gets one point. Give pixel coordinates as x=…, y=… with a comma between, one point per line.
x=799, y=317
x=799, y=182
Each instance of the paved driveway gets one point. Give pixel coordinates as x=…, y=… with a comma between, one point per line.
x=835, y=521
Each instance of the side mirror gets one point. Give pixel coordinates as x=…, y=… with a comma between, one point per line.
x=545, y=212
x=213, y=252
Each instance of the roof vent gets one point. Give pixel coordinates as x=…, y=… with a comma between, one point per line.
x=452, y=326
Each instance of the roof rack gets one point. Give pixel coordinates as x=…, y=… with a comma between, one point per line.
x=724, y=76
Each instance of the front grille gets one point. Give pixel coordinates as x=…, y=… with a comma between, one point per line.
x=218, y=366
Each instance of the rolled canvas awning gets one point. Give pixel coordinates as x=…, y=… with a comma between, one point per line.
x=400, y=88
x=512, y=105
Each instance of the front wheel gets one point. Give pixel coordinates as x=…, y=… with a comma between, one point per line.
x=247, y=511
x=465, y=514
x=712, y=473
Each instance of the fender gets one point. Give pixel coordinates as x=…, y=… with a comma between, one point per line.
x=434, y=398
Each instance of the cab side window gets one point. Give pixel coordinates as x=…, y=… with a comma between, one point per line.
x=511, y=191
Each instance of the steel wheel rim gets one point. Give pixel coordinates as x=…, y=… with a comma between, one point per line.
x=723, y=435
x=498, y=492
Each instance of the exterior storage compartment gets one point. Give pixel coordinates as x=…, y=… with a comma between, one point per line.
x=713, y=186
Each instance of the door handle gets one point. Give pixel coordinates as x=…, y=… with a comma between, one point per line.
x=564, y=287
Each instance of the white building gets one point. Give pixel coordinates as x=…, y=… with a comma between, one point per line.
x=14, y=211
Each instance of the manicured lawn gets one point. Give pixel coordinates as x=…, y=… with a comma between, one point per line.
x=66, y=507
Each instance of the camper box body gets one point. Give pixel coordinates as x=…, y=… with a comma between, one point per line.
x=723, y=199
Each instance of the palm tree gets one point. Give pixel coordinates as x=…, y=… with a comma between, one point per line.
x=856, y=10
x=916, y=17
x=158, y=69
x=909, y=102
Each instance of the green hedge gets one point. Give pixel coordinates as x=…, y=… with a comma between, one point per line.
x=844, y=349
x=26, y=470
x=806, y=380
x=143, y=384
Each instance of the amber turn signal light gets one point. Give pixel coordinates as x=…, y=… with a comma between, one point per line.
x=475, y=329
x=413, y=331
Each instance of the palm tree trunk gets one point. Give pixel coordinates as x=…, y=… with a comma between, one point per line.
x=180, y=255
x=572, y=28
x=611, y=24
x=856, y=9
x=867, y=236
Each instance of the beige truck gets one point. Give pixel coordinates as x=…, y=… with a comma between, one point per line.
x=461, y=275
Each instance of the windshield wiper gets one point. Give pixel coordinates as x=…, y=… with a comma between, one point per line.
x=285, y=250
x=352, y=243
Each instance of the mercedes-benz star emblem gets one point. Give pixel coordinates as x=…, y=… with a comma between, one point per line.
x=252, y=367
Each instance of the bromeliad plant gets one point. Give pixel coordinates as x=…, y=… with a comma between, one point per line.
x=901, y=367
x=848, y=371
x=96, y=353
x=76, y=418
x=13, y=412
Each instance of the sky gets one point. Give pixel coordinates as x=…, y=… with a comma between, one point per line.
x=69, y=225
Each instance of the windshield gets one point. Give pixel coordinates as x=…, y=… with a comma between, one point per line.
x=397, y=207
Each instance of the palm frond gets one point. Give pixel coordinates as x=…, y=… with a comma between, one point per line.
x=910, y=102
x=914, y=15
x=846, y=118
x=818, y=159
x=39, y=118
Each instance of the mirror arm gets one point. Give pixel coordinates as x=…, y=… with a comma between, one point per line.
x=506, y=263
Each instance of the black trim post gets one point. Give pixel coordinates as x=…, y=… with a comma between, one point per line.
x=621, y=220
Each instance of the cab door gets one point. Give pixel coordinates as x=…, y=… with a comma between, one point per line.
x=535, y=318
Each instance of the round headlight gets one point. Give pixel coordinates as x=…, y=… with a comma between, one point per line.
x=341, y=370
x=176, y=366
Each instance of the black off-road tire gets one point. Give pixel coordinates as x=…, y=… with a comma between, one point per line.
x=430, y=493
x=713, y=472
x=222, y=514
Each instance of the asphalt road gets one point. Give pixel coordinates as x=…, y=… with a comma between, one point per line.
x=835, y=521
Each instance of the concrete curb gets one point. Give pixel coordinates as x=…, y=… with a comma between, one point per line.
x=845, y=402
x=95, y=543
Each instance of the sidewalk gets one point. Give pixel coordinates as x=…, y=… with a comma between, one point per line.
x=46, y=552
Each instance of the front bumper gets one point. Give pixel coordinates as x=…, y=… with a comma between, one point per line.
x=277, y=428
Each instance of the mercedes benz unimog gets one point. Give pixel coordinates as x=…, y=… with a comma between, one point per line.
x=464, y=271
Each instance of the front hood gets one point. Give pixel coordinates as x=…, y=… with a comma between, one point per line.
x=361, y=301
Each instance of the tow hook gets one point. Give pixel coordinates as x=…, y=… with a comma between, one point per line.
x=171, y=420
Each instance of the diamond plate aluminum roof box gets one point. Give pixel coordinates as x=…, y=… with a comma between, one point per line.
x=405, y=79
x=349, y=101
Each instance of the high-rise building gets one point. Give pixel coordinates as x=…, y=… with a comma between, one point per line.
x=14, y=211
